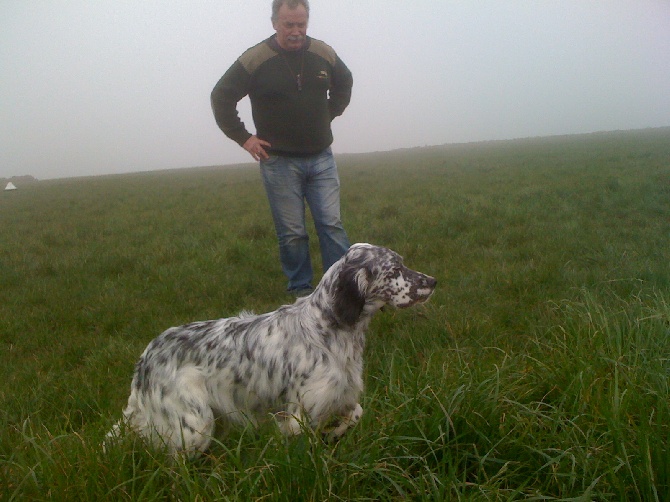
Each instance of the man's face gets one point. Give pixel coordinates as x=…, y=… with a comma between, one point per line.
x=291, y=27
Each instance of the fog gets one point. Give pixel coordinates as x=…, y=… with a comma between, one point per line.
x=99, y=87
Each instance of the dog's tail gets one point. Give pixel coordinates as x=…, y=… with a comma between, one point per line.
x=119, y=427
x=112, y=436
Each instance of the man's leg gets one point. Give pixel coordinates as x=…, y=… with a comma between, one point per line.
x=284, y=185
x=323, y=197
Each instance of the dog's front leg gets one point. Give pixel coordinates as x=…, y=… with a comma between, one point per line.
x=346, y=421
x=290, y=423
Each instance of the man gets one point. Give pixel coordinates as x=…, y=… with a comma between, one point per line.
x=297, y=85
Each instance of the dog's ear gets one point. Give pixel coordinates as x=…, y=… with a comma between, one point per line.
x=350, y=294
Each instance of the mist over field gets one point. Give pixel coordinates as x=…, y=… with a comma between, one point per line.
x=110, y=87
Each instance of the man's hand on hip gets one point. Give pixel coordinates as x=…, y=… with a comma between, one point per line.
x=256, y=147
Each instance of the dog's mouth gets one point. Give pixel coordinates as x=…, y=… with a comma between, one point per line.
x=424, y=293
x=422, y=296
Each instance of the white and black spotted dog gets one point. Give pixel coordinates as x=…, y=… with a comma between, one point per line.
x=302, y=364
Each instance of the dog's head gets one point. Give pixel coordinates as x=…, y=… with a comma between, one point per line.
x=376, y=276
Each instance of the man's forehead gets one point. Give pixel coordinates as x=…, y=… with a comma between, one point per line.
x=292, y=13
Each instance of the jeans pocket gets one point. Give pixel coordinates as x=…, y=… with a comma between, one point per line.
x=272, y=159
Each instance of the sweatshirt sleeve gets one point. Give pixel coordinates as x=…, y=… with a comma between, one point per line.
x=228, y=91
x=340, y=90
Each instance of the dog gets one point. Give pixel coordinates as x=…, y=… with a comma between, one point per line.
x=301, y=364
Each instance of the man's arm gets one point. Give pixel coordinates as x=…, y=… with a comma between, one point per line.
x=339, y=94
x=228, y=91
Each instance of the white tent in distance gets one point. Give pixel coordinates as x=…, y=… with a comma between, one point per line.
x=10, y=186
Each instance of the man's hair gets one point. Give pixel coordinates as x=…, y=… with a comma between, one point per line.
x=291, y=4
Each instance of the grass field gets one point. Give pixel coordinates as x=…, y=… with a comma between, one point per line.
x=539, y=370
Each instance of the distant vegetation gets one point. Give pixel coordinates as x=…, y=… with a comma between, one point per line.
x=538, y=370
x=17, y=180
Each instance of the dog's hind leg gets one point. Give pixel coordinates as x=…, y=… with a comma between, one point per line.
x=195, y=431
x=191, y=419
x=177, y=417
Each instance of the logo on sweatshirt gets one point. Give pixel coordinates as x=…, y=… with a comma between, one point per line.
x=323, y=75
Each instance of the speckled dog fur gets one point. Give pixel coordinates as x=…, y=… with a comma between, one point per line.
x=302, y=364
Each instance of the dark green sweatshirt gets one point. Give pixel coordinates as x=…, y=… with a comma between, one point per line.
x=294, y=96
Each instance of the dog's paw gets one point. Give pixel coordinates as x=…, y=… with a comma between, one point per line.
x=345, y=422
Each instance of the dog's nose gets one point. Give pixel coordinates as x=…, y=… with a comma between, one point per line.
x=431, y=282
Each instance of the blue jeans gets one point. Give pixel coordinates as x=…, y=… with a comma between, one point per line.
x=289, y=182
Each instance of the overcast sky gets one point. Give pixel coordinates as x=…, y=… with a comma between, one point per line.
x=109, y=86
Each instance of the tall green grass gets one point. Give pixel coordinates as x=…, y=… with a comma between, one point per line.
x=539, y=370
